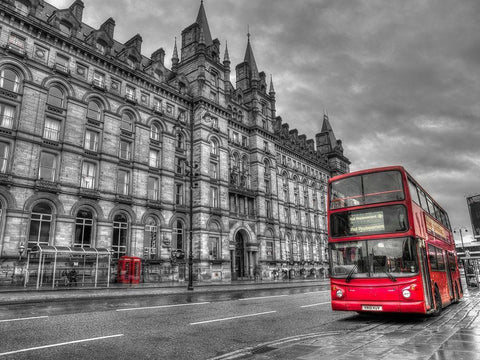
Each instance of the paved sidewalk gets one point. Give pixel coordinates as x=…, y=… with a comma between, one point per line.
x=453, y=335
x=11, y=295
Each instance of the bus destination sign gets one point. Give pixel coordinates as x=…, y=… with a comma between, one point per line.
x=435, y=229
x=367, y=222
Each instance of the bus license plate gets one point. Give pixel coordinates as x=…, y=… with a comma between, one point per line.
x=372, y=308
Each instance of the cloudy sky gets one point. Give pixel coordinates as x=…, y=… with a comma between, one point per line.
x=400, y=80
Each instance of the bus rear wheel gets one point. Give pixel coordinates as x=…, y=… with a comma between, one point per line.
x=438, y=303
x=457, y=295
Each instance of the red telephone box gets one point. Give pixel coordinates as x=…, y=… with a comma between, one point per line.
x=129, y=270
x=135, y=270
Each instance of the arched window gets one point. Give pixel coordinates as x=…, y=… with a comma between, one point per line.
x=83, y=229
x=178, y=235
x=301, y=248
x=295, y=250
x=9, y=80
x=244, y=164
x=235, y=160
x=56, y=97
x=155, y=132
x=120, y=235
x=150, y=239
x=214, y=244
x=213, y=146
x=94, y=111
x=180, y=141
x=240, y=116
x=127, y=121
x=311, y=250
x=269, y=249
x=266, y=163
x=40, y=223
x=288, y=248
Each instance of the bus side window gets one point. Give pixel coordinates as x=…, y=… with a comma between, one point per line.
x=423, y=200
x=413, y=192
x=440, y=260
x=432, y=256
x=430, y=207
x=437, y=213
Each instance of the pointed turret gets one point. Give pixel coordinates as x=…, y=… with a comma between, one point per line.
x=327, y=129
x=202, y=21
x=226, y=57
x=250, y=60
x=271, y=91
x=175, y=58
x=226, y=64
x=331, y=148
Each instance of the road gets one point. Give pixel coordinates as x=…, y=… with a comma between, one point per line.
x=182, y=326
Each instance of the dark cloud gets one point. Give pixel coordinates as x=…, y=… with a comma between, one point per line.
x=399, y=79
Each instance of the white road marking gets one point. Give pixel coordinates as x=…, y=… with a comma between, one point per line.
x=317, y=292
x=233, y=317
x=25, y=318
x=163, y=306
x=262, y=297
x=322, y=303
x=59, y=344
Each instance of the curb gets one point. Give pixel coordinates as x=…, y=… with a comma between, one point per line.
x=9, y=297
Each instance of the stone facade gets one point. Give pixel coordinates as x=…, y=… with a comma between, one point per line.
x=103, y=147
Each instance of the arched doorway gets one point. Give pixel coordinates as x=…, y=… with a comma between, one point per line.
x=240, y=261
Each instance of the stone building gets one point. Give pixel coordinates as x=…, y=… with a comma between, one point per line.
x=102, y=147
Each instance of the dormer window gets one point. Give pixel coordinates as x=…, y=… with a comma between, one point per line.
x=100, y=47
x=66, y=28
x=131, y=63
x=182, y=88
x=21, y=8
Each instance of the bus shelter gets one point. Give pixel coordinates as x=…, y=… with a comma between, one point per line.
x=58, y=266
x=471, y=267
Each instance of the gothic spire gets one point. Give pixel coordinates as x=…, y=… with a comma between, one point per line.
x=226, y=57
x=175, y=54
x=203, y=22
x=271, y=91
x=250, y=60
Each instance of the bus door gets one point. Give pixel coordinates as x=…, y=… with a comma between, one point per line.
x=427, y=283
x=449, y=275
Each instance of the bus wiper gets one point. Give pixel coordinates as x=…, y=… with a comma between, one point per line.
x=350, y=274
x=390, y=276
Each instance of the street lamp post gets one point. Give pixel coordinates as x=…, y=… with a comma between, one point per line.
x=190, y=250
x=460, y=230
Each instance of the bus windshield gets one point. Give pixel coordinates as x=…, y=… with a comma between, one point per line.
x=366, y=189
x=395, y=257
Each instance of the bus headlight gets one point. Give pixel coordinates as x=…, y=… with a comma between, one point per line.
x=339, y=293
x=406, y=293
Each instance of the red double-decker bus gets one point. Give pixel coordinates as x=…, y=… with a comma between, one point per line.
x=391, y=248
